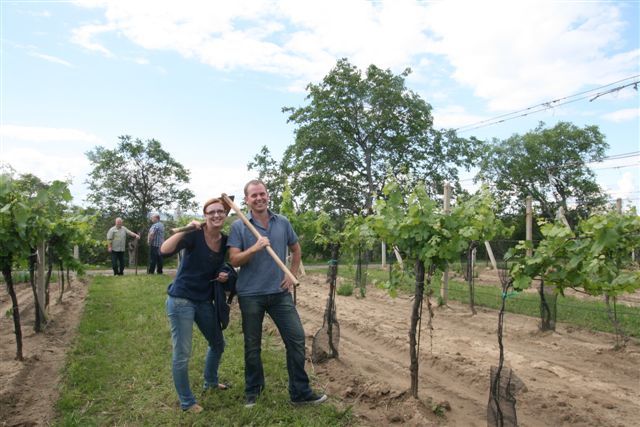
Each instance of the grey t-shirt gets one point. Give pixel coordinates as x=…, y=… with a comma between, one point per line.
x=261, y=275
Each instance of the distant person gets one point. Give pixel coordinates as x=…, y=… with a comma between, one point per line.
x=190, y=298
x=155, y=239
x=263, y=288
x=117, y=243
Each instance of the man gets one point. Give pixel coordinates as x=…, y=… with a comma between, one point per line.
x=263, y=287
x=116, y=244
x=155, y=240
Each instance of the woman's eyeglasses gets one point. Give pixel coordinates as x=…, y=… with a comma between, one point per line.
x=219, y=212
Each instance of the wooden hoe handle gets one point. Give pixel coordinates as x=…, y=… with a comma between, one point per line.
x=255, y=232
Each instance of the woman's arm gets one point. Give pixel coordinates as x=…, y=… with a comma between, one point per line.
x=171, y=244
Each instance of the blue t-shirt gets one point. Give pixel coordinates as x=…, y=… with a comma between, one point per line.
x=199, y=265
x=261, y=275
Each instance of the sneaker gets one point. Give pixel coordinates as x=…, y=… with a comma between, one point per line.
x=194, y=409
x=313, y=399
x=218, y=387
x=250, y=401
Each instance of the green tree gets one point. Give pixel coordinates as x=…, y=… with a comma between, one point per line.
x=136, y=178
x=358, y=130
x=550, y=164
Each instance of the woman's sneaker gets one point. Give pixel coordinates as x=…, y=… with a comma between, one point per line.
x=313, y=399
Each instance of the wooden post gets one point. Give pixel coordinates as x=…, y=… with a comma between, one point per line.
x=383, y=251
x=494, y=264
x=529, y=222
x=619, y=205
x=41, y=277
x=444, y=288
x=76, y=252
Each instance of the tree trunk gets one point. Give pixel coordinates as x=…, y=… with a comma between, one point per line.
x=416, y=317
x=61, y=281
x=6, y=273
x=621, y=337
x=46, y=283
x=40, y=317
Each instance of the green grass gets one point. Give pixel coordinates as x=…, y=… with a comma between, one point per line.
x=119, y=369
x=586, y=314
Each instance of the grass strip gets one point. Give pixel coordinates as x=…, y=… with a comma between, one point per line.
x=119, y=369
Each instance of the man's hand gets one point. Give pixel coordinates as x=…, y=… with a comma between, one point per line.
x=261, y=243
x=287, y=284
x=222, y=277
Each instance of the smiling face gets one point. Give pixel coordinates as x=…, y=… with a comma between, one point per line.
x=257, y=198
x=215, y=214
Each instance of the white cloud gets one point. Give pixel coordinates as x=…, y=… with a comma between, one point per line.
x=517, y=53
x=84, y=36
x=623, y=115
x=50, y=58
x=512, y=54
x=454, y=116
x=40, y=134
x=211, y=181
x=47, y=165
x=626, y=187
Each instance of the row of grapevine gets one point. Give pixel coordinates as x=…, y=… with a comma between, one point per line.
x=34, y=214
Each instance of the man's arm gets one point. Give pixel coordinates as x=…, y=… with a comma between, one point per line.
x=238, y=257
x=109, y=240
x=296, y=256
x=131, y=233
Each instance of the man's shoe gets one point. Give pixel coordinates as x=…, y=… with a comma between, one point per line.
x=313, y=399
x=194, y=409
x=250, y=401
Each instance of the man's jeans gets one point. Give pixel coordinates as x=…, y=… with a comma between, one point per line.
x=281, y=309
x=155, y=259
x=117, y=257
x=182, y=313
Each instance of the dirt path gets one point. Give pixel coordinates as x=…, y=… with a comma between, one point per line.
x=29, y=389
x=573, y=377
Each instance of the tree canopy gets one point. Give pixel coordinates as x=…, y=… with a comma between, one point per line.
x=550, y=164
x=136, y=178
x=358, y=130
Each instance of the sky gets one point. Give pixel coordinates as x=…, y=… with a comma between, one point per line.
x=209, y=79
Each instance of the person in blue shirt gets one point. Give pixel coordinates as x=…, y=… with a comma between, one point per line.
x=190, y=297
x=263, y=288
x=155, y=240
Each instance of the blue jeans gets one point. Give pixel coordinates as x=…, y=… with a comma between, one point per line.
x=117, y=262
x=281, y=309
x=182, y=313
x=155, y=259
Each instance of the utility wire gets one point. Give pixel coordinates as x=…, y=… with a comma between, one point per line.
x=592, y=93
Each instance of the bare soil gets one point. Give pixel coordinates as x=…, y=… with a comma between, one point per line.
x=573, y=377
x=29, y=389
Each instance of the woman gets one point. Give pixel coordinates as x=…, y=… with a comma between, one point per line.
x=190, y=298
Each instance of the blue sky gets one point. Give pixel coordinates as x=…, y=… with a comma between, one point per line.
x=208, y=79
